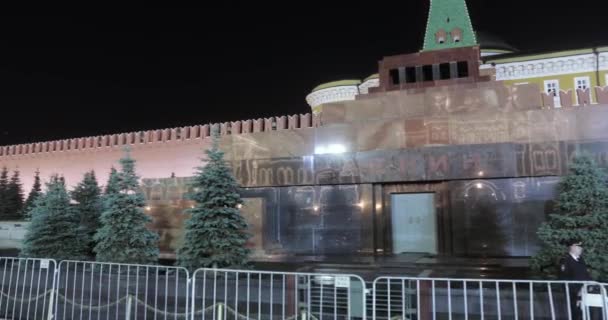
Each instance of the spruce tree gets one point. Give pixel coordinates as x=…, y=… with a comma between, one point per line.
x=54, y=230
x=3, y=194
x=581, y=212
x=14, y=197
x=112, y=186
x=123, y=236
x=32, y=196
x=216, y=233
x=87, y=195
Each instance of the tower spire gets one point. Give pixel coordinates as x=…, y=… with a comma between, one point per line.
x=448, y=26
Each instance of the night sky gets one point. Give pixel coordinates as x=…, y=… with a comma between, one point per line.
x=91, y=73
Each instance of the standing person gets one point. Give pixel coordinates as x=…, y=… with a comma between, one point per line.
x=573, y=268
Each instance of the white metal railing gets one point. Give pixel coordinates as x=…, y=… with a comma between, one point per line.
x=434, y=298
x=93, y=290
x=26, y=290
x=242, y=294
x=43, y=289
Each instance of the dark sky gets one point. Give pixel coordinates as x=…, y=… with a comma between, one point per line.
x=89, y=73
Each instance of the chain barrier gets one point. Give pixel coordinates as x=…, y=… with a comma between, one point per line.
x=384, y=287
x=21, y=301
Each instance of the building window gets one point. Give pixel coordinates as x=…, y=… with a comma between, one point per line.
x=456, y=35
x=463, y=69
x=444, y=71
x=427, y=73
x=440, y=36
x=394, y=74
x=552, y=89
x=410, y=74
x=582, y=83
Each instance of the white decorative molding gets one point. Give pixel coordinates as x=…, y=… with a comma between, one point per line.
x=371, y=83
x=549, y=67
x=334, y=94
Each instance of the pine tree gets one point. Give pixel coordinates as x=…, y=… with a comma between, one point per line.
x=54, y=230
x=112, y=186
x=14, y=197
x=3, y=194
x=581, y=213
x=32, y=196
x=123, y=236
x=215, y=234
x=87, y=195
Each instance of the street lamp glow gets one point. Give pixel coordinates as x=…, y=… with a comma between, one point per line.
x=334, y=148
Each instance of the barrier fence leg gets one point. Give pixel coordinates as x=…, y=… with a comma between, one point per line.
x=129, y=304
x=220, y=312
x=51, y=310
x=51, y=305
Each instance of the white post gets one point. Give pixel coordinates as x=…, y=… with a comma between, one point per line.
x=129, y=303
x=220, y=312
x=51, y=305
x=53, y=288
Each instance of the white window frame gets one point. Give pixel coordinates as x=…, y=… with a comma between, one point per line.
x=556, y=98
x=606, y=80
x=588, y=80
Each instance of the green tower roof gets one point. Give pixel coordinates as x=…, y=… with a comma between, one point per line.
x=448, y=16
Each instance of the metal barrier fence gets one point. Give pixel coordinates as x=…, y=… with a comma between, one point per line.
x=428, y=298
x=41, y=289
x=597, y=299
x=92, y=290
x=26, y=290
x=239, y=294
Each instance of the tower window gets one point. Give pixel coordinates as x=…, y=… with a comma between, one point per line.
x=456, y=35
x=440, y=36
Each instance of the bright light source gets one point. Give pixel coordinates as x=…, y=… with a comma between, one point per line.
x=378, y=206
x=481, y=173
x=361, y=204
x=479, y=185
x=330, y=149
x=148, y=208
x=238, y=206
x=315, y=208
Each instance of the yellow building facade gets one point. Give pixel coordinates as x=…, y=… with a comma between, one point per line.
x=553, y=72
